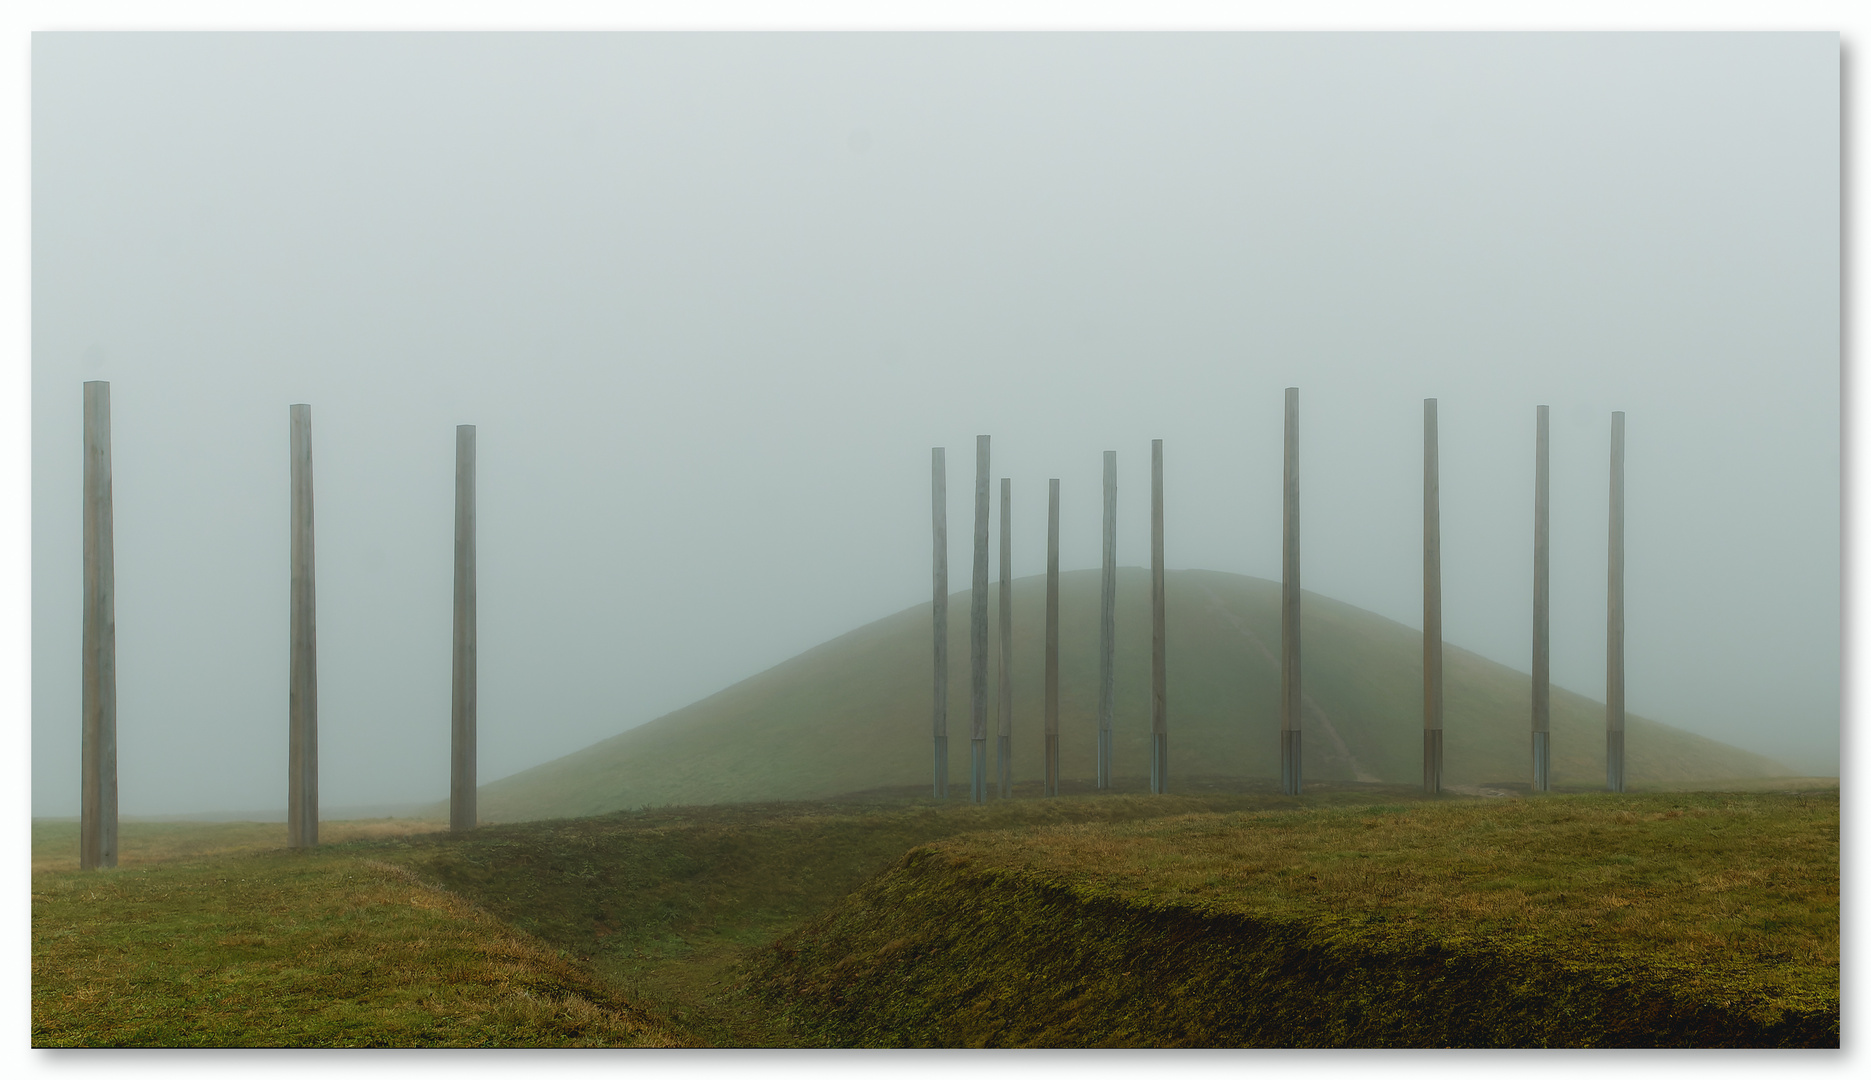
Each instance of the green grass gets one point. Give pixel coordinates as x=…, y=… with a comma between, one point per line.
x=854, y=712
x=1121, y=918
x=1664, y=919
x=220, y=944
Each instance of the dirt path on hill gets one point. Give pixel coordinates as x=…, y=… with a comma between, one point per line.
x=1306, y=704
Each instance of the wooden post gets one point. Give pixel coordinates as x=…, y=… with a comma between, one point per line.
x=938, y=516
x=1290, y=775
x=1159, y=707
x=977, y=630
x=1542, y=625
x=1432, y=604
x=1614, y=621
x=1107, y=625
x=97, y=829
x=1003, y=742
x=1052, y=638
x=302, y=726
x=464, y=737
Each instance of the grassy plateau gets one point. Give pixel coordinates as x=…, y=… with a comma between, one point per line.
x=1222, y=915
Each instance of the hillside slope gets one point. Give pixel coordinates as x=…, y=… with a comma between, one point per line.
x=854, y=713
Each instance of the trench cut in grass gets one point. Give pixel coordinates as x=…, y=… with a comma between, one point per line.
x=669, y=902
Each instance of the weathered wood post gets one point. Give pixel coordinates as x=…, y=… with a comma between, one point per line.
x=938, y=515
x=1107, y=625
x=1003, y=741
x=977, y=637
x=302, y=725
x=1542, y=625
x=1614, y=621
x=1052, y=638
x=97, y=829
x=1432, y=604
x=464, y=737
x=1290, y=776
x=1159, y=706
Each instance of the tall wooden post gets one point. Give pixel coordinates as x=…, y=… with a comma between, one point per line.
x=302, y=726
x=1614, y=621
x=1107, y=625
x=1290, y=775
x=1432, y=604
x=977, y=631
x=464, y=737
x=1052, y=638
x=97, y=829
x=1542, y=624
x=938, y=517
x=1003, y=742
x=1159, y=705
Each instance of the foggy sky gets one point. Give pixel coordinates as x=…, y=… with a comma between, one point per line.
x=710, y=299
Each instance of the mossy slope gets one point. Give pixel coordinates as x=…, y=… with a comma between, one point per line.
x=854, y=713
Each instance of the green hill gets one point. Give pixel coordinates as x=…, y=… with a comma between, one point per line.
x=854, y=713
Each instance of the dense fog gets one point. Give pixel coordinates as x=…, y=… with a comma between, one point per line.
x=711, y=299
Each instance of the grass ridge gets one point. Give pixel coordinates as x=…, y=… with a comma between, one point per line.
x=953, y=947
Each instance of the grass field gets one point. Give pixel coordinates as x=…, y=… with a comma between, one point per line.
x=207, y=935
x=150, y=843
x=772, y=924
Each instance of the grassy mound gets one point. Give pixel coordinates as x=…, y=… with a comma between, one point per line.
x=854, y=713
x=1593, y=920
